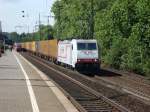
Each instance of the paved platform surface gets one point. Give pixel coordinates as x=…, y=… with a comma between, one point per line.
x=22, y=88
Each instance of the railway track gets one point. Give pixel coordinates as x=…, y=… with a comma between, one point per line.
x=130, y=76
x=98, y=98
x=135, y=86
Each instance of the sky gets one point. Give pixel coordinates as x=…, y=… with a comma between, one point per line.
x=11, y=14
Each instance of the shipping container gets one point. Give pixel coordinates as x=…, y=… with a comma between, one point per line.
x=53, y=48
x=37, y=46
x=33, y=47
x=27, y=46
x=43, y=48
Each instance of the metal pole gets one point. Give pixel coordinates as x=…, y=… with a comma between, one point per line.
x=0, y=27
x=28, y=31
x=58, y=29
x=4, y=44
x=40, y=25
x=26, y=15
x=46, y=4
x=48, y=20
x=48, y=30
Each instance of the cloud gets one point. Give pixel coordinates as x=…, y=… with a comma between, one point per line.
x=9, y=1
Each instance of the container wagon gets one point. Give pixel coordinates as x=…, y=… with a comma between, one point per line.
x=53, y=49
x=47, y=49
x=33, y=48
x=43, y=49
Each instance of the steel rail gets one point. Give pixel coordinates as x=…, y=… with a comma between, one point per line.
x=90, y=90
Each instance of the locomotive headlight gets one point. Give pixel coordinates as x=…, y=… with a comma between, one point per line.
x=79, y=60
x=96, y=60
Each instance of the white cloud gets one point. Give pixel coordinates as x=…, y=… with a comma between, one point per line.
x=11, y=15
x=9, y=1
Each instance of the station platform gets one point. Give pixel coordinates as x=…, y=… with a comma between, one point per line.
x=23, y=88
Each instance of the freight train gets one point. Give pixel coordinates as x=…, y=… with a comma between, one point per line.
x=77, y=54
x=17, y=47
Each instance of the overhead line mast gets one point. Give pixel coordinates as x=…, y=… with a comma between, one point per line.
x=0, y=27
x=59, y=21
x=40, y=26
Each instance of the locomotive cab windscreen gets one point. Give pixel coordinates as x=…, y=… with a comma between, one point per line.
x=87, y=50
x=86, y=54
x=86, y=46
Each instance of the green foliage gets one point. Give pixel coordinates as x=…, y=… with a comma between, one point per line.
x=115, y=53
x=122, y=28
x=1, y=45
x=14, y=36
x=45, y=32
x=73, y=17
x=133, y=58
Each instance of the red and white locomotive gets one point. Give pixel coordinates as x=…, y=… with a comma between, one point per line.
x=79, y=54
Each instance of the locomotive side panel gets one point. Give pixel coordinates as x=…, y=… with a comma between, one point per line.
x=65, y=53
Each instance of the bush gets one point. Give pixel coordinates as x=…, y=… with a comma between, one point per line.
x=115, y=53
x=146, y=68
